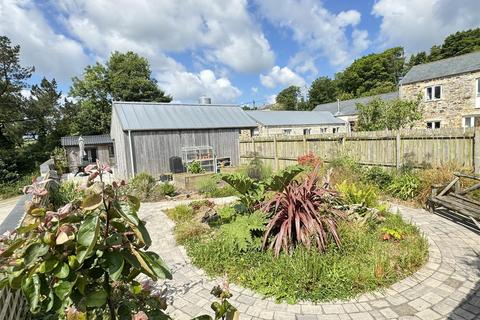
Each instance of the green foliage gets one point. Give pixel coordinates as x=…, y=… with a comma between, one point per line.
x=60, y=159
x=361, y=194
x=257, y=170
x=83, y=257
x=322, y=90
x=364, y=263
x=288, y=98
x=188, y=230
x=141, y=185
x=12, y=189
x=392, y=115
x=371, y=72
x=125, y=77
x=253, y=192
x=210, y=187
x=68, y=191
x=244, y=232
x=378, y=176
x=195, y=167
x=181, y=213
x=404, y=186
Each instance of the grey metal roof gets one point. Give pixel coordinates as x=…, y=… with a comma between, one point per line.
x=349, y=107
x=294, y=118
x=88, y=140
x=442, y=68
x=171, y=116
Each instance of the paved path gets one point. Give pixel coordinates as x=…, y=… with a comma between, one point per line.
x=447, y=287
x=6, y=206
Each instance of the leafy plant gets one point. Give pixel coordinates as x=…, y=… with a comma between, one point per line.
x=81, y=260
x=253, y=192
x=404, y=186
x=181, y=213
x=244, y=231
x=301, y=213
x=257, y=170
x=378, y=176
x=195, y=167
x=141, y=185
x=189, y=230
x=59, y=156
x=363, y=195
x=389, y=233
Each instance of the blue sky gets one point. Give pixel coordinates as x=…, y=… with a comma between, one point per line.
x=235, y=51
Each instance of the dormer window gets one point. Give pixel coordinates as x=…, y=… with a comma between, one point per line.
x=433, y=93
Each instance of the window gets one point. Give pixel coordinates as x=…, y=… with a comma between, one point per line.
x=478, y=87
x=323, y=130
x=255, y=132
x=433, y=93
x=335, y=130
x=471, y=121
x=433, y=124
x=306, y=131
x=111, y=152
x=287, y=132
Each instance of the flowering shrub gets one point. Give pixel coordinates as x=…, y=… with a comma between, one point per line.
x=309, y=160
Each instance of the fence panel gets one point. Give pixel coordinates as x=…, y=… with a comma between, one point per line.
x=417, y=148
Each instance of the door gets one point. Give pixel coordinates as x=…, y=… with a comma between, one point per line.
x=91, y=155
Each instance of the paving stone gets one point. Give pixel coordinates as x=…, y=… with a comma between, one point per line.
x=404, y=310
x=397, y=299
x=306, y=317
x=388, y=313
x=350, y=308
x=464, y=313
x=279, y=315
x=419, y=304
x=428, y=314
x=332, y=308
x=361, y=316
x=379, y=304
x=246, y=299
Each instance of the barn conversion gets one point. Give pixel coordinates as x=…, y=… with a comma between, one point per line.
x=148, y=136
x=295, y=122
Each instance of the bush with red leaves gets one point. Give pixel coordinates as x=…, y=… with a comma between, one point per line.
x=309, y=160
x=302, y=214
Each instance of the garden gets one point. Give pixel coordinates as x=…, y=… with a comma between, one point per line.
x=314, y=232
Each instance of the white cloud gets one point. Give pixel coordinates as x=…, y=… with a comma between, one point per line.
x=417, y=25
x=52, y=54
x=226, y=33
x=281, y=77
x=185, y=85
x=317, y=30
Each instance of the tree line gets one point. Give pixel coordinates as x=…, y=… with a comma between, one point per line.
x=374, y=74
x=33, y=118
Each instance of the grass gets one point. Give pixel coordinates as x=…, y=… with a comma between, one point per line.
x=10, y=190
x=365, y=262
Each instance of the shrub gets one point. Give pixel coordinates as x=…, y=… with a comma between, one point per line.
x=141, y=185
x=362, y=194
x=68, y=191
x=345, y=168
x=81, y=260
x=12, y=189
x=195, y=167
x=378, y=176
x=441, y=175
x=404, y=186
x=181, y=213
x=59, y=156
x=257, y=170
x=300, y=214
x=309, y=160
x=207, y=185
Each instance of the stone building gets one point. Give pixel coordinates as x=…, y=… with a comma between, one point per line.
x=271, y=123
x=449, y=90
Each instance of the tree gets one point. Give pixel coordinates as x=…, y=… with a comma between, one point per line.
x=372, y=72
x=125, y=77
x=456, y=44
x=388, y=115
x=322, y=90
x=288, y=98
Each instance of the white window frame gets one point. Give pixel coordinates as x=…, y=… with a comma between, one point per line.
x=307, y=131
x=472, y=121
x=477, y=87
x=434, y=122
x=335, y=129
x=433, y=93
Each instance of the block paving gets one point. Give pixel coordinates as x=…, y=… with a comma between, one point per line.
x=446, y=287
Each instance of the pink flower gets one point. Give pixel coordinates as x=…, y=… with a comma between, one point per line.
x=140, y=316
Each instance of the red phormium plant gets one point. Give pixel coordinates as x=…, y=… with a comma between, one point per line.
x=303, y=213
x=309, y=159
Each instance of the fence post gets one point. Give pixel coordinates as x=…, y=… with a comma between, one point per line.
x=398, y=159
x=305, y=145
x=476, y=150
x=275, y=147
x=253, y=145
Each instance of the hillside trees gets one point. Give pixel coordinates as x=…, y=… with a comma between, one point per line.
x=288, y=98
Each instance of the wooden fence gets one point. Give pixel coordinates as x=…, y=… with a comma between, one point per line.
x=417, y=148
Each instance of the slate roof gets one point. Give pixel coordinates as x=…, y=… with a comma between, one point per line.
x=349, y=107
x=88, y=140
x=294, y=118
x=141, y=116
x=443, y=68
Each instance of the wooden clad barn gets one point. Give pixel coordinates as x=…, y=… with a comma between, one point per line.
x=147, y=135
x=97, y=147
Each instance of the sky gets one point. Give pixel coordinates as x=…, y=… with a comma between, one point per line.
x=234, y=51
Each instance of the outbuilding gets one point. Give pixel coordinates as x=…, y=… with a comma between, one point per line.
x=155, y=137
x=295, y=123
x=95, y=147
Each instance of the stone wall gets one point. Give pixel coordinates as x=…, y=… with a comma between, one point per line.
x=458, y=99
